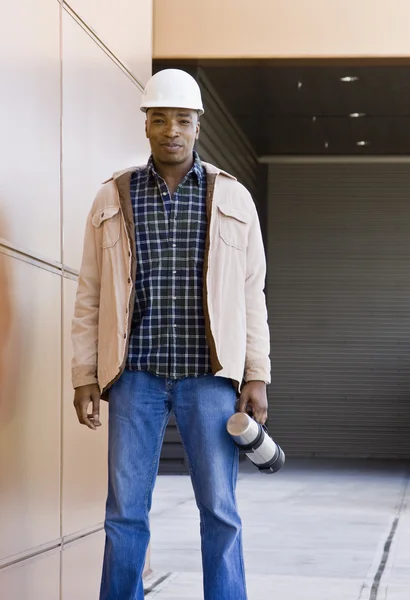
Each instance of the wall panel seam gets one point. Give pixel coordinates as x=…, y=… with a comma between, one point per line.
x=46, y=548
x=29, y=554
x=70, y=273
x=25, y=256
x=62, y=304
x=37, y=260
x=94, y=36
x=79, y=535
x=70, y=276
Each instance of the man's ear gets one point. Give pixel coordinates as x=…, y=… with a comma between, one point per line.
x=198, y=129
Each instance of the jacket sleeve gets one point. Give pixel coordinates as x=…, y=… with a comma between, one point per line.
x=257, y=363
x=84, y=332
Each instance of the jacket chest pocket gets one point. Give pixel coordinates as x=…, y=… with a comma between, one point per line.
x=233, y=226
x=110, y=220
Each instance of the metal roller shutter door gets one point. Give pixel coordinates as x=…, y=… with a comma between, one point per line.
x=338, y=293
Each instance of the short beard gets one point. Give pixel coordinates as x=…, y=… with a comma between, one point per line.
x=172, y=160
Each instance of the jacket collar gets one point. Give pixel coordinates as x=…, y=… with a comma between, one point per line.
x=212, y=170
x=209, y=168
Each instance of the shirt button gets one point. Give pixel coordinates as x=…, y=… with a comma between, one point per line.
x=129, y=280
x=174, y=272
x=125, y=336
x=174, y=245
x=164, y=193
x=174, y=297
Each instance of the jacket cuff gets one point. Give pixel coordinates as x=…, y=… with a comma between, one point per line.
x=257, y=375
x=84, y=375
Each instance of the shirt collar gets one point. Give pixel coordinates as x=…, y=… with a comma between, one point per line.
x=197, y=168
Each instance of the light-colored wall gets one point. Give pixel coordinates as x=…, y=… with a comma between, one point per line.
x=281, y=28
x=71, y=85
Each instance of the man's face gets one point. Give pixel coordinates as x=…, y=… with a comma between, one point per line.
x=172, y=133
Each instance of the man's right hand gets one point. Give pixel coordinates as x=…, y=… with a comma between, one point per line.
x=83, y=397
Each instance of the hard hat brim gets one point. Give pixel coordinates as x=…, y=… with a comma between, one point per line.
x=147, y=106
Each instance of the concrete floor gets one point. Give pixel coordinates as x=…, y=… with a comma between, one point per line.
x=318, y=530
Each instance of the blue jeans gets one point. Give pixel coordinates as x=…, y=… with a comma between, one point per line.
x=139, y=407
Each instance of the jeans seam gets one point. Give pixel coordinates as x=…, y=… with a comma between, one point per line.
x=235, y=458
x=192, y=475
x=190, y=467
x=154, y=462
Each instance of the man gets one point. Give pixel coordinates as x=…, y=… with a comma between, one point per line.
x=171, y=316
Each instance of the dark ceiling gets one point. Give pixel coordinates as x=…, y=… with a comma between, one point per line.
x=300, y=109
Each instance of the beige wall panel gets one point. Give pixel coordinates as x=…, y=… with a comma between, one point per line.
x=103, y=129
x=36, y=579
x=82, y=565
x=30, y=126
x=30, y=400
x=84, y=451
x=125, y=26
x=281, y=28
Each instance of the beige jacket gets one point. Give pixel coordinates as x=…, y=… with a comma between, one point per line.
x=234, y=280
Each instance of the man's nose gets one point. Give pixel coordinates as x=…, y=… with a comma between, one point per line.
x=172, y=129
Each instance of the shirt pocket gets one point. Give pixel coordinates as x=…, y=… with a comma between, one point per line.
x=109, y=219
x=233, y=226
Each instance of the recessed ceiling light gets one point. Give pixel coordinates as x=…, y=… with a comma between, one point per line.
x=357, y=115
x=349, y=79
x=300, y=85
x=313, y=119
x=326, y=144
x=362, y=143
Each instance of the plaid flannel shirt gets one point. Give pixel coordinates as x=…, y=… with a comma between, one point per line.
x=168, y=328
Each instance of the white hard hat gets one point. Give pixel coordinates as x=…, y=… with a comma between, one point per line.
x=172, y=88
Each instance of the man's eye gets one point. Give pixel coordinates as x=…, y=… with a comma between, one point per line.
x=158, y=121
x=185, y=122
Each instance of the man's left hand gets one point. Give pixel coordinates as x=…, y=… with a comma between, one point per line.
x=253, y=400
